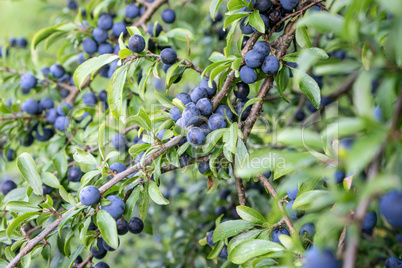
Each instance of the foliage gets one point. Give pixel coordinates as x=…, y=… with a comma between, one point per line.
x=303, y=160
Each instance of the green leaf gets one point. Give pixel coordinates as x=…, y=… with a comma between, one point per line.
x=308, y=197
x=302, y=37
x=156, y=194
x=84, y=157
x=216, y=250
x=66, y=217
x=50, y=180
x=89, y=67
x=107, y=227
x=162, y=100
x=173, y=72
x=136, y=149
x=248, y=103
x=318, y=52
x=53, y=38
x=252, y=248
x=323, y=22
x=250, y=215
x=131, y=201
x=179, y=104
x=213, y=7
x=86, y=178
x=132, y=30
x=362, y=96
x=367, y=56
x=60, y=163
x=230, y=138
x=43, y=34
x=16, y=223
x=74, y=256
x=101, y=134
x=30, y=173
x=309, y=87
x=180, y=34
x=144, y=203
x=336, y=68
x=142, y=119
x=173, y=157
x=115, y=92
x=234, y=5
x=363, y=151
x=240, y=238
x=291, y=244
x=233, y=17
x=215, y=72
x=282, y=80
x=217, y=57
x=124, y=53
x=298, y=137
x=63, y=193
x=21, y=206
x=212, y=138
x=230, y=228
x=256, y=21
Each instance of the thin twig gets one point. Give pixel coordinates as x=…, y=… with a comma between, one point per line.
x=358, y=216
x=86, y=261
x=292, y=15
x=274, y=195
x=151, y=9
x=241, y=192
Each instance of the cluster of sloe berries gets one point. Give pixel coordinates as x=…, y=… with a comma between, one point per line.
x=258, y=58
x=20, y=42
x=103, y=38
x=90, y=196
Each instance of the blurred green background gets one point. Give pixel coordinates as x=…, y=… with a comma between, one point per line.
x=16, y=18
x=172, y=233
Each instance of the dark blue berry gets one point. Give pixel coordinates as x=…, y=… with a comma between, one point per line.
x=196, y=136
x=184, y=97
x=248, y=75
x=105, y=48
x=89, y=195
x=74, y=174
x=132, y=11
x=89, y=99
x=100, y=35
x=168, y=15
x=105, y=22
x=224, y=111
x=90, y=46
x=136, y=43
x=28, y=81
x=119, y=28
x=7, y=186
x=204, y=105
x=270, y=65
x=289, y=4
x=63, y=108
x=262, y=47
x=46, y=103
x=116, y=207
x=155, y=30
x=168, y=56
x=216, y=121
x=191, y=116
x=135, y=225
x=57, y=70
